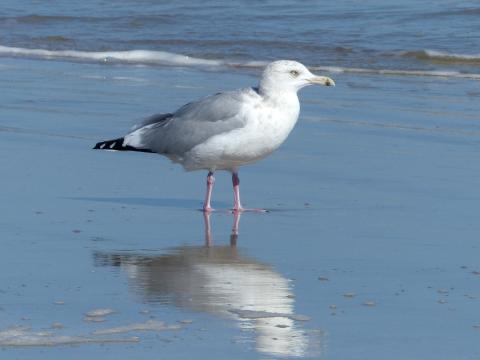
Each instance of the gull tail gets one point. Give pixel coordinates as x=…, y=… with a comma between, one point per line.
x=117, y=145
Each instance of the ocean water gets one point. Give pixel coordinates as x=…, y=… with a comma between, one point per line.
x=370, y=249
x=409, y=37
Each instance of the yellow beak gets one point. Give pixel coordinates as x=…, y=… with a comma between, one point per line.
x=322, y=80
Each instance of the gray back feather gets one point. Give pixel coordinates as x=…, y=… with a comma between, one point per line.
x=192, y=124
x=153, y=119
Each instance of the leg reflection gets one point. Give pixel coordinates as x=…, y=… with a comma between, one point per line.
x=208, y=228
x=236, y=223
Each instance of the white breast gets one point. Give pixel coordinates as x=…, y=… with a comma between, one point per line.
x=270, y=123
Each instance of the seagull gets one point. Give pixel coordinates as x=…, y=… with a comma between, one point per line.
x=226, y=130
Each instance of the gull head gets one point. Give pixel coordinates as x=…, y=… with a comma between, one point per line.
x=288, y=76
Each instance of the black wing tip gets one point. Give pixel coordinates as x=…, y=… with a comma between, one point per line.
x=117, y=144
x=97, y=145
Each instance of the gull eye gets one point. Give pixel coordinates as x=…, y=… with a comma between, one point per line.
x=294, y=73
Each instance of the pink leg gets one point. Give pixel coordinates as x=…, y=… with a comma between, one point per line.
x=210, y=181
x=237, y=206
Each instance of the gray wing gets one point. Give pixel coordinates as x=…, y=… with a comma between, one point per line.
x=156, y=118
x=193, y=123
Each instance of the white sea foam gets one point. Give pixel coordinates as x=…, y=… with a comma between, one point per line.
x=434, y=53
x=163, y=58
x=19, y=336
x=149, y=325
x=394, y=72
x=99, y=312
x=253, y=314
x=129, y=56
x=442, y=56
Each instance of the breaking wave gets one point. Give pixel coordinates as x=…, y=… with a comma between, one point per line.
x=163, y=58
x=129, y=56
x=394, y=72
x=445, y=57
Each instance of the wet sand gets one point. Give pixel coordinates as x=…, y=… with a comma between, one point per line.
x=370, y=248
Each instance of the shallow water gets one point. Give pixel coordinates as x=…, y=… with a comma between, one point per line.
x=369, y=248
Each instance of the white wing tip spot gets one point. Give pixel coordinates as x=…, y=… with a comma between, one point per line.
x=112, y=145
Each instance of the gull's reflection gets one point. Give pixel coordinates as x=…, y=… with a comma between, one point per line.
x=222, y=281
